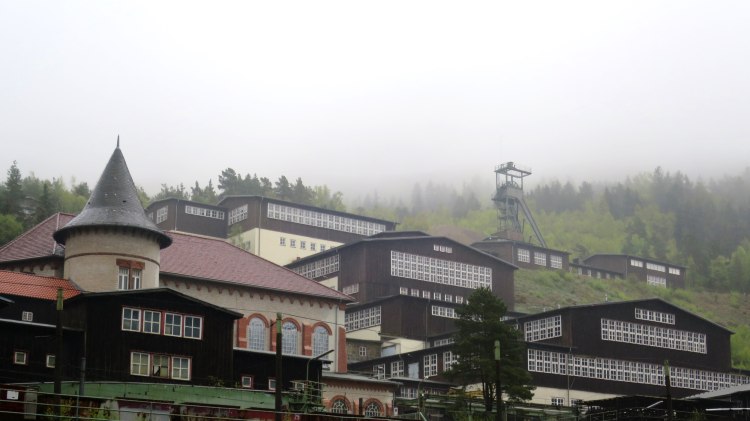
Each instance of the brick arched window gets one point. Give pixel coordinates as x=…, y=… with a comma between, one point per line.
x=373, y=408
x=339, y=405
x=257, y=334
x=289, y=337
x=320, y=339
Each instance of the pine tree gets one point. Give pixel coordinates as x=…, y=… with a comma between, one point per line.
x=480, y=324
x=13, y=193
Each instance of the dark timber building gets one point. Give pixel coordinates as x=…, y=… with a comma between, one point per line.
x=605, y=350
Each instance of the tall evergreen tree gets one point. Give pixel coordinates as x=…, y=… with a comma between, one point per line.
x=480, y=324
x=13, y=193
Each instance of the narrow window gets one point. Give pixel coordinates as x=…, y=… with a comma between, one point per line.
x=160, y=366
x=139, y=363
x=289, y=338
x=320, y=340
x=256, y=334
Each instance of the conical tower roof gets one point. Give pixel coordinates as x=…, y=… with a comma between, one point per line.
x=114, y=203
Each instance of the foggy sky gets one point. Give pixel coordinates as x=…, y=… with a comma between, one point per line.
x=366, y=95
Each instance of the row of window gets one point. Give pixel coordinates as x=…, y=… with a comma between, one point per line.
x=162, y=323
x=372, y=408
x=362, y=319
x=448, y=272
x=595, y=274
x=540, y=258
x=654, y=266
x=22, y=358
x=414, y=292
x=656, y=336
x=429, y=366
x=444, y=312
x=208, y=213
x=442, y=249
x=443, y=341
x=654, y=316
x=350, y=289
x=320, y=267
x=655, y=280
x=258, y=334
x=158, y=365
x=323, y=220
x=303, y=244
x=629, y=371
x=237, y=214
x=541, y=329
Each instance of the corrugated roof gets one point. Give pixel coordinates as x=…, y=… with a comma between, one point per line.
x=36, y=242
x=214, y=259
x=34, y=286
x=114, y=202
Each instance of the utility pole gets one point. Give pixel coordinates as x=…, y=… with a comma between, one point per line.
x=668, y=384
x=59, y=352
x=279, y=380
x=498, y=391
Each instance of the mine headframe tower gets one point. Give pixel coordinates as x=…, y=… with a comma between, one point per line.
x=509, y=201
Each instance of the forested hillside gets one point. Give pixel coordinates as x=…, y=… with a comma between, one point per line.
x=702, y=225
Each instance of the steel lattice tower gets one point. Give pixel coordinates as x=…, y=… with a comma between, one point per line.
x=509, y=201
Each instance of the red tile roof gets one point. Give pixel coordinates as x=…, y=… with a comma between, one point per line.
x=36, y=242
x=217, y=260
x=34, y=286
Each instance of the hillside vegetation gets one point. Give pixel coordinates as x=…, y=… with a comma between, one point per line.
x=538, y=290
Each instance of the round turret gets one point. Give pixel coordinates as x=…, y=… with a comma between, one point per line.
x=112, y=244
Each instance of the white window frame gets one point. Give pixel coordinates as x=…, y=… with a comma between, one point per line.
x=27, y=316
x=524, y=256
x=289, y=338
x=20, y=358
x=181, y=368
x=170, y=327
x=397, y=368
x=429, y=365
x=130, y=320
x=139, y=368
x=49, y=361
x=247, y=382
x=555, y=261
x=540, y=258
x=189, y=331
x=148, y=325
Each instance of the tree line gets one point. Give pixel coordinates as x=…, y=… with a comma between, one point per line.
x=704, y=226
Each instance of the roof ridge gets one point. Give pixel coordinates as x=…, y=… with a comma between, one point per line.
x=28, y=232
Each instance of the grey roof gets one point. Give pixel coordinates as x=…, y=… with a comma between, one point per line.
x=114, y=203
